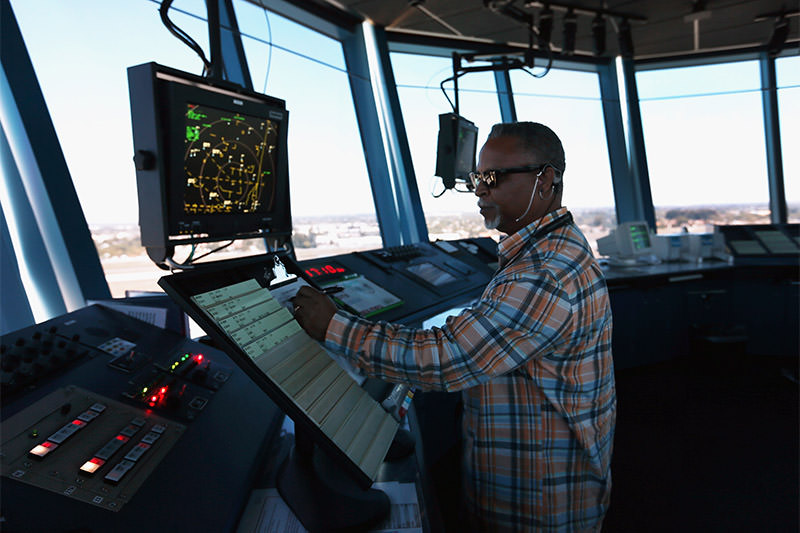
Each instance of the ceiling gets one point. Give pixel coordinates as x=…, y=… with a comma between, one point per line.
x=662, y=28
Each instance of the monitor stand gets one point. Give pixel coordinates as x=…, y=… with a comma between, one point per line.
x=322, y=495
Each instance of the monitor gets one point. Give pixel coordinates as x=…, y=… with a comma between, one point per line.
x=211, y=159
x=456, y=147
x=430, y=273
x=629, y=239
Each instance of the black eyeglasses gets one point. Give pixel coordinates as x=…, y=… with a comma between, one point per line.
x=489, y=177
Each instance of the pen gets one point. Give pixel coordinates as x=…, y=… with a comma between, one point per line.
x=332, y=290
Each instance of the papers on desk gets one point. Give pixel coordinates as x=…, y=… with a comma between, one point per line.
x=156, y=316
x=266, y=512
x=404, y=516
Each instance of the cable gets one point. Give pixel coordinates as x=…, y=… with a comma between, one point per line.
x=214, y=250
x=546, y=68
x=441, y=86
x=269, y=56
x=182, y=35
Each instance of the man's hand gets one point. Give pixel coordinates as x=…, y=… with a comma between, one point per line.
x=313, y=311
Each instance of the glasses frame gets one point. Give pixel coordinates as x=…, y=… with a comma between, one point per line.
x=489, y=177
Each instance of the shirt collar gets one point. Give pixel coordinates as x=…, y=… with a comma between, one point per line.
x=510, y=246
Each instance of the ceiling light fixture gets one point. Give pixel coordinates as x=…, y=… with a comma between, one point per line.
x=545, y=26
x=570, y=29
x=778, y=37
x=625, y=39
x=599, y=35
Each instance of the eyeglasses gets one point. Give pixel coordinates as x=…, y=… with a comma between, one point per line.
x=489, y=177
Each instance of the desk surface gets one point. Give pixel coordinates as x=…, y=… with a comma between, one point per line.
x=626, y=273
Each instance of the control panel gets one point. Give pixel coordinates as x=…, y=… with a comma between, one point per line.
x=86, y=446
x=407, y=283
x=111, y=424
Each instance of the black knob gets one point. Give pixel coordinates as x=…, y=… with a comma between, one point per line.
x=20, y=342
x=37, y=335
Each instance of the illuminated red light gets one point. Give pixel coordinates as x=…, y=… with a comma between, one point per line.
x=123, y=438
x=198, y=357
x=77, y=422
x=163, y=390
x=153, y=399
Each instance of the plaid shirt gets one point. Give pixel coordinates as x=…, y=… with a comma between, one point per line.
x=533, y=359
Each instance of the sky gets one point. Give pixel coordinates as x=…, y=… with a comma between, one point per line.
x=703, y=126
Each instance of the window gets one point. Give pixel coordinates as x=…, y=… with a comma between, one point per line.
x=333, y=211
x=704, y=136
x=85, y=86
x=453, y=215
x=788, y=74
x=568, y=102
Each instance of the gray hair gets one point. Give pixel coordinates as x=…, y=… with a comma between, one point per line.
x=537, y=139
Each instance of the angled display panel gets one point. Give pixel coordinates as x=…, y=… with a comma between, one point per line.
x=244, y=308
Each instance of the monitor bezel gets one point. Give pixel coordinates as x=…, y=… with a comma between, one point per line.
x=158, y=102
x=447, y=148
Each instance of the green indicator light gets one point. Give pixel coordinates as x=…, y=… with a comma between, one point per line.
x=144, y=390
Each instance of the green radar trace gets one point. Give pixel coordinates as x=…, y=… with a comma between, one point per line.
x=229, y=161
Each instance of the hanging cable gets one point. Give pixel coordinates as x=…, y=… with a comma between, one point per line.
x=217, y=249
x=182, y=35
x=441, y=86
x=269, y=54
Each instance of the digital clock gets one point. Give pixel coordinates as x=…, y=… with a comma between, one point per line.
x=326, y=270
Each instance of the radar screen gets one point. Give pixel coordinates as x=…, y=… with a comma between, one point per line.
x=229, y=162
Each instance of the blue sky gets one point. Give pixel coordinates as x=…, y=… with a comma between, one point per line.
x=703, y=125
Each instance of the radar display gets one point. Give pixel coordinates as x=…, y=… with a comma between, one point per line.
x=229, y=162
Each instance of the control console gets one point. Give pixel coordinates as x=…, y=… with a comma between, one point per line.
x=111, y=424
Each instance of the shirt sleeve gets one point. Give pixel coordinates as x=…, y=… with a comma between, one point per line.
x=514, y=321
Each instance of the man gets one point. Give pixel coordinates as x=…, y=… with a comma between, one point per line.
x=532, y=355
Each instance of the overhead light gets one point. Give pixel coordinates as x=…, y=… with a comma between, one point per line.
x=599, y=35
x=778, y=37
x=570, y=29
x=625, y=39
x=545, y=26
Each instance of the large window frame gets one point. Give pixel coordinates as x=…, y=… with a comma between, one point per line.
x=631, y=187
x=775, y=176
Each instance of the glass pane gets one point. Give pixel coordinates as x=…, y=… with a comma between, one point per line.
x=333, y=210
x=85, y=85
x=788, y=74
x=704, y=136
x=287, y=35
x=453, y=215
x=696, y=81
x=569, y=103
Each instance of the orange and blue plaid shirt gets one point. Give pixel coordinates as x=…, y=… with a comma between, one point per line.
x=532, y=358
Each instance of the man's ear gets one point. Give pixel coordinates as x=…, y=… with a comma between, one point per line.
x=548, y=178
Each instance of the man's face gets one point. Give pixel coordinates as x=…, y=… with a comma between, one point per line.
x=509, y=198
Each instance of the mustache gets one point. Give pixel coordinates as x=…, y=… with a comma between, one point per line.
x=484, y=203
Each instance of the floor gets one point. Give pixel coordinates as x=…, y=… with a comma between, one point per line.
x=707, y=444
